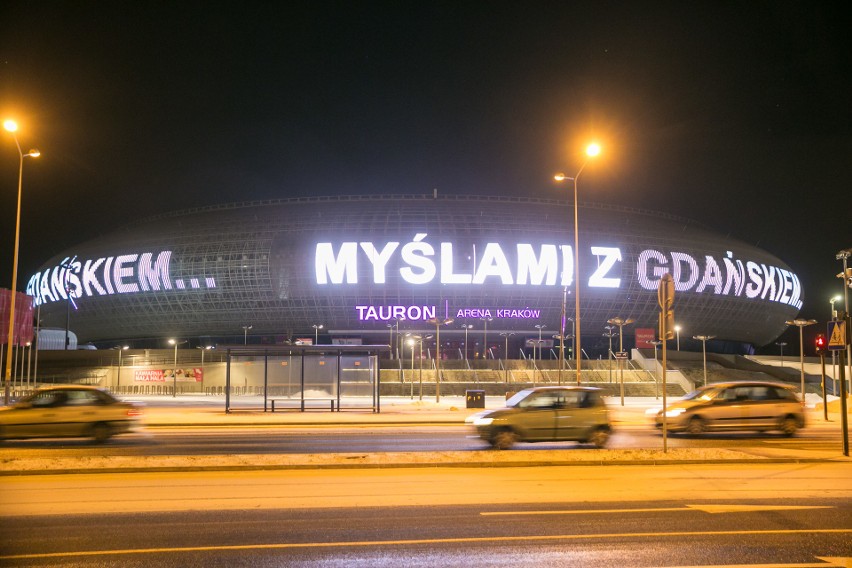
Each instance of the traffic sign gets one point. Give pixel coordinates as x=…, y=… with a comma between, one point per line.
x=837, y=338
x=621, y=354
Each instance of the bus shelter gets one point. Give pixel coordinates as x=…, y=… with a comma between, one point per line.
x=305, y=376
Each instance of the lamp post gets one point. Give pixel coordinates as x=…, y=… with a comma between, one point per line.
x=12, y=127
x=846, y=277
x=245, y=333
x=391, y=344
x=609, y=334
x=620, y=323
x=833, y=352
x=704, y=339
x=412, y=341
x=781, y=344
x=801, y=324
x=506, y=335
x=592, y=150
x=118, y=375
x=317, y=327
x=677, y=334
x=485, y=337
x=656, y=343
x=438, y=322
x=561, y=339
x=539, y=327
x=203, y=349
x=175, y=342
x=466, y=327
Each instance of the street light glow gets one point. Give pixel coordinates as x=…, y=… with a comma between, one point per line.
x=593, y=149
x=10, y=125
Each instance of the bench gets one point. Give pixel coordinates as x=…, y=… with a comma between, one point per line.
x=302, y=402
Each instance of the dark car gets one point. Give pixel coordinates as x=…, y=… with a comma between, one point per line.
x=546, y=414
x=739, y=405
x=69, y=411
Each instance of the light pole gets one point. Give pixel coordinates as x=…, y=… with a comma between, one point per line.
x=246, y=328
x=592, y=150
x=485, y=337
x=620, y=323
x=656, y=343
x=175, y=342
x=506, y=335
x=781, y=344
x=466, y=327
x=391, y=344
x=12, y=127
x=609, y=334
x=203, y=349
x=438, y=322
x=412, y=341
x=677, y=334
x=833, y=352
x=118, y=375
x=846, y=277
x=561, y=339
x=801, y=324
x=539, y=327
x=704, y=339
x=317, y=327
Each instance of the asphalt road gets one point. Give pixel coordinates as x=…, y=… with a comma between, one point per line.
x=215, y=440
x=779, y=515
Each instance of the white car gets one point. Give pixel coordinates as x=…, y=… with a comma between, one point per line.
x=69, y=411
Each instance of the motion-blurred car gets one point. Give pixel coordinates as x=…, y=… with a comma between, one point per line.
x=69, y=411
x=546, y=414
x=740, y=405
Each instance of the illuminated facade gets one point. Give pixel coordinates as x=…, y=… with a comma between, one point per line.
x=357, y=264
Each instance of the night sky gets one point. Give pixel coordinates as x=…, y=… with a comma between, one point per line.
x=735, y=114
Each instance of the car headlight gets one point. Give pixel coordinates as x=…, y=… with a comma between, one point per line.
x=482, y=421
x=675, y=412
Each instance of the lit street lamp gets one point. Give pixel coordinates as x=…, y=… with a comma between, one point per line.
x=245, y=333
x=438, y=322
x=118, y=375
x=175, y=342
x=539, y=327
x=801, y=324
x=620, y=323
x=609, y=334
x=506, y=335
x=781, y=344
x=12, y=127
x=485, y=337
x=592, y=150
x=391, y=344
x=656, y=343
x=317, y=327
x=203, y=349
x=466, y=327
x=704, y=339
x=677, y=334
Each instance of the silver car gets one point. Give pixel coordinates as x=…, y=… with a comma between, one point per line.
x=69, y=411
x=546, y=414
x=740, y=405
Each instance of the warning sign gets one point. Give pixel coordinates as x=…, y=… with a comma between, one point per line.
x=837, y=335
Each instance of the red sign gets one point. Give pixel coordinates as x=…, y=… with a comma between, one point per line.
x=644, y=336
x=23, y=327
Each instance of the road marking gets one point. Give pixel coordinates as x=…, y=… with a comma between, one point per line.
x=422, y=541
x=706, y=508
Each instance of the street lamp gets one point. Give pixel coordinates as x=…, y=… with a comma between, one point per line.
x=317, y=327
x=506, y=335
x=485, y=337
x=781, y=344
x=390, y=339
x=539, y=327
x=438, y=322
x=620, y=323
x=466, y=327
x=561, y=339
x=833, y=352
x=704, y=339
x=801, y=324
x=656, y=343
x=245, y=333
x=609, y=334
x=12, y=127
x=118, y=375
x=203, y=349
x=592, y=150
x=175, y=342
x=677, y=334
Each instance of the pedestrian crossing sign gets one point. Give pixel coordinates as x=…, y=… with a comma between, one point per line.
x=837, y=335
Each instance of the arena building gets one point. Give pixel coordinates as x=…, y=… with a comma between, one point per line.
x=364, y=266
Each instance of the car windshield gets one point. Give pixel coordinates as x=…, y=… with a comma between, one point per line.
x=702, y=394
x=516, y=399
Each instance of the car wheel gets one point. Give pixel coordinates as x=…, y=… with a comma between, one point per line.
x=696, y=425
x=101, y=432
x=599, y=437
x=788, y=425
x=504, y=439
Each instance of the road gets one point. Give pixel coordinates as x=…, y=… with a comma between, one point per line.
x=781, y=515
x=207, y=440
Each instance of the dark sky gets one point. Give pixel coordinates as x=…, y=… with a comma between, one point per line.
x=736, y=114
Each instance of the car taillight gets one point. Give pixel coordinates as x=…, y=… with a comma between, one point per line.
x=134, y=411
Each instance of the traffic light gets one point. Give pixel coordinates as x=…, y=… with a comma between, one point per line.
x=821, y=344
